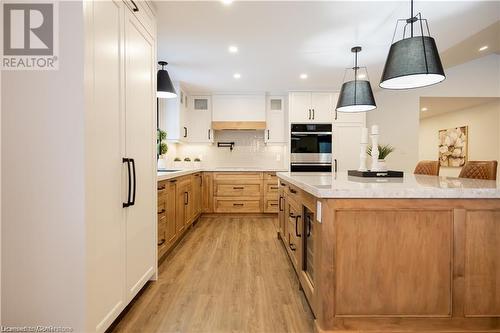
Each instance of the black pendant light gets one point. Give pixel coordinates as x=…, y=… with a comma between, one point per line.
x=356, y=95
x=164, y=86
x=413, y=61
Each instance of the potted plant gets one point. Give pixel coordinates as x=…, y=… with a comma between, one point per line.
x=177, y=163
x=187, y=163
x=161, y=144
x=383, y=152
x=197, y=163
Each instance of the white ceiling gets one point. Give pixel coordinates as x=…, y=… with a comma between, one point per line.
x=278, y=41
x=439, y=105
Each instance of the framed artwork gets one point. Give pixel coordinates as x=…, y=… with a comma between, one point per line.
x=453, y=143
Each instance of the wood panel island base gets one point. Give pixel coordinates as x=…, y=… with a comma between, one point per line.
x=419, y=255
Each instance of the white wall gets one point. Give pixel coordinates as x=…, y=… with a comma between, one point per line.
x=43, y=187
x=398, y=111
x=249, y=151
x=483, y=132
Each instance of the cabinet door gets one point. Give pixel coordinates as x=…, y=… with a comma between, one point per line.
x=300, y=107
x=207, y=193
x=346, y=139
x=188, y=207
x=171, y=230
x=172, y=113
x=275, y=120
x=104, y=123
x=140, y=138
x=180, y=211
x=323, y=109
x=199, y=120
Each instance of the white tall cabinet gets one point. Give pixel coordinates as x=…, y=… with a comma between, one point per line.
x=120, y=69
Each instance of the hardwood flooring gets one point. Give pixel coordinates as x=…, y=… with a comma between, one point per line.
x=229, y=274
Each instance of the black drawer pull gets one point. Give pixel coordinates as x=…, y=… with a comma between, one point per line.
x=238, y=188
x=293, y=191
x=174, y=181
x=161, y=188
x=161, y=242
x=162, y=211
x=274, y=204
x=238, y=204
x=274, y=187
x=282, y=184
x=135, y=9
x=292, y=247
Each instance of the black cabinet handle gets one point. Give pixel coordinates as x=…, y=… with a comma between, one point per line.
x=161, y=211
x=185, y=132
x=185, y=198
x=161, y=188
x=274, y=187
x=335, y=165
x=173, y=181
x=208, y=134
x=126, y=204
x=293, y=191
x=237, y=204
x=267, y=134
x=313, y=114
x=296, y=226
x=335, y=114
x=282, y=184
x=161, y=242
x=292, y=246
x=309, y=114
x=238, y=188
x=135, y=182
x=280, y=206
x=135, y=9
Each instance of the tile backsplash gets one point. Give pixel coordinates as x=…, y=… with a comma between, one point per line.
x=250, y=150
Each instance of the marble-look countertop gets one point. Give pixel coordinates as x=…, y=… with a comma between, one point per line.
x=340, y=185
x=178, y=173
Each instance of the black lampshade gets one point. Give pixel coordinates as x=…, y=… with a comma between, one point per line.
x=164, y=86
x=356, y=96
x=412, y=62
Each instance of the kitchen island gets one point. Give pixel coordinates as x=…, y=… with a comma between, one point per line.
x=421, y=253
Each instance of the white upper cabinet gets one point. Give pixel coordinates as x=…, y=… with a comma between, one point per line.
x=275, y=120
x=199, y=119
x=173, y=115
x=228, y=107
x=312, y=107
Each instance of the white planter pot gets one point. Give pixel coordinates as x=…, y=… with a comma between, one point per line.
x=382, y=166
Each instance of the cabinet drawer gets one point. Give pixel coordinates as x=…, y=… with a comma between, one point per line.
x=237, y=206
x=162, y=231
x=236, y=190
x=271, y=176
x=238, y=176
x=162, y=208
x=271, y=206
x=271, y=188
x=162, y=191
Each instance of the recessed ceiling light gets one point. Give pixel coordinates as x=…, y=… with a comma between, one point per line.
x=303, y=76
x=227, y=2
x=233, y=49
x=482, y=48
x=236, y=75
x=424, y=109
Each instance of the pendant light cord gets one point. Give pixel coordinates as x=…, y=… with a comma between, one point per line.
x=411, y=18
x=355, y=74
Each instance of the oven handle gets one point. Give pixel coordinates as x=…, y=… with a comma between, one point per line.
x=312, y=133
x=312, y=164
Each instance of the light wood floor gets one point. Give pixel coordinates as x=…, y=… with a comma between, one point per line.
x=229, y=274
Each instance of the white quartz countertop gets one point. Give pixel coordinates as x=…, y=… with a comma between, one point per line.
x=340, y=185
x=178, y=173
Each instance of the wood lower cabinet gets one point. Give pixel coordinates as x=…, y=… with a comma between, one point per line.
x=271, y=204
x=197, y=187
x=238, y=192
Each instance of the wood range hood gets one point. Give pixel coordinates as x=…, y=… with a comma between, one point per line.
x=238, y=125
